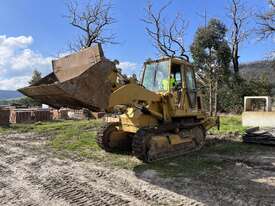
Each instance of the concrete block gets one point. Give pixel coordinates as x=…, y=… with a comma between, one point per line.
x=258, y=119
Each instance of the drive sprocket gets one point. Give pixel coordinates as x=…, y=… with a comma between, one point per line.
x=110, y=138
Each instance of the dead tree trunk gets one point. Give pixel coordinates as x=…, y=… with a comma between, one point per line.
x=235, y=55
x=238, y=14
x=216, y=97
x=210, y=98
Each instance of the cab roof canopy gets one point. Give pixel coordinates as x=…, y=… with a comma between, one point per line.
x=176, y=60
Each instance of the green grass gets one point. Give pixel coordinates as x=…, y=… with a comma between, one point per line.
x=53, y=127
x=187, y=166
x=229, y=124
x=202, y=162
x=78, y=138
x=235, y=148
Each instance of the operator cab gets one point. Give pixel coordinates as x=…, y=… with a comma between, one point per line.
x=170, y=75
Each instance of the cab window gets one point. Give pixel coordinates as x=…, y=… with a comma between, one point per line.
x=176, y=75
x=155, y=74
x=190, y=82
x=191, y=87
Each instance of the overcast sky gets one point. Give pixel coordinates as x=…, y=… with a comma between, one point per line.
x=33, y=32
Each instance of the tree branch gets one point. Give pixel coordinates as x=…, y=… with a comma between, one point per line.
x=167, y=38
x=92, y=21
x=266, y=22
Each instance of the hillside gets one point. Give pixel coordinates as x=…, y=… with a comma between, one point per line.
x=9, y=94
x=254, y=70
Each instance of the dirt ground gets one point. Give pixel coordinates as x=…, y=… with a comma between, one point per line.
x=32, y=174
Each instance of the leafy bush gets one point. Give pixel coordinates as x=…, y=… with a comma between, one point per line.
x=232, y=92
x=24, y=101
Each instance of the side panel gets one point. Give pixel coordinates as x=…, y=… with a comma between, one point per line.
x=135, y=119
x=191, y=86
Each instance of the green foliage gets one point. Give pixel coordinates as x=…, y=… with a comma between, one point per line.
x=24, y=101
x=75, y=138
x=190, y=165
x=229, y=124
x=201, y=163
x=210, y=50
x=52, y=127
x=5, y=102
x=36, y=76
x=211, y=54
x=232, y=92
x=27, y=101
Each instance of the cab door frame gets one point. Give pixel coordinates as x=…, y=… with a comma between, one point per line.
x=192, y=99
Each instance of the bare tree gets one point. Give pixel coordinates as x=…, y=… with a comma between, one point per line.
x=266, y=21
x=92, y=20
x=238, y=14
x=167, y=38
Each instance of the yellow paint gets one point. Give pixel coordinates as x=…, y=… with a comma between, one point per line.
x=160, y=105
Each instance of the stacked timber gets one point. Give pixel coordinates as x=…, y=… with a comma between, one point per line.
x=74, y=114
x=29, y=115
x=41, y=115
x=259, y=136
x=4, y=116
x=21, y=116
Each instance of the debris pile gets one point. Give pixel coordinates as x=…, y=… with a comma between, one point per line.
x=80, y=114
x=73, y=114
x=260, y=136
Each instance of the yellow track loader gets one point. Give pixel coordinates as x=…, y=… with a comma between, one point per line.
x=159, y=117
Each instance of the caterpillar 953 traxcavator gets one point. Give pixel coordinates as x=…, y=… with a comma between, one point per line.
x=157, y=118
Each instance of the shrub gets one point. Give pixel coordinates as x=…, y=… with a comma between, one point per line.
x=232, y=92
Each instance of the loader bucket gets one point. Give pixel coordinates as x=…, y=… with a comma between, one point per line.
x=78, y=81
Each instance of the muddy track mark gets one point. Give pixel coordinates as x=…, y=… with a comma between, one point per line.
x=139, y=190
x=77, y=193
